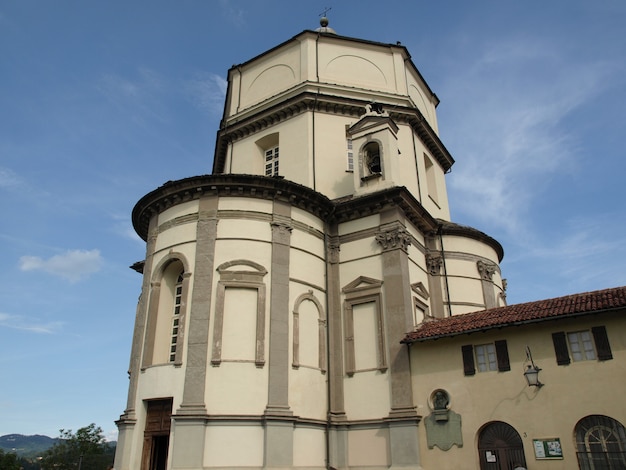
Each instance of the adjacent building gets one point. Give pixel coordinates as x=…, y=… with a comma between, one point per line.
x=287, y=297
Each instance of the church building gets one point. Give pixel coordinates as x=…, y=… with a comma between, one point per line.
x=283, y=295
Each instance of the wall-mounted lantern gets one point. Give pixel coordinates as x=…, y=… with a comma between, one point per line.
x=532, y=371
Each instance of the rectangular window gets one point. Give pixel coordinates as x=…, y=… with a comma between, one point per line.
x=431, y=179
x=271, y=162
x=350, y=163
x=485, y=357
x=581, y=346
x=585, y=345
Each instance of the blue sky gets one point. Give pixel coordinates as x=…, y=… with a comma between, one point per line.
x=101, y=102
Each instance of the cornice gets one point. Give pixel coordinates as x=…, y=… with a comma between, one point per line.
x=307, y=100
x=253, y=186
x=336, y=211
x=451, y=228
x=351, y=208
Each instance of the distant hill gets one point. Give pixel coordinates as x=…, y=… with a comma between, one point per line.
x=26, y=446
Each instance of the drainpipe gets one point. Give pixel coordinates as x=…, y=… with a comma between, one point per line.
x=445, y=271
x=328, y=339
x=313, y=137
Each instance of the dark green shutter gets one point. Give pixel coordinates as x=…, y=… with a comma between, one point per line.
x=602, y=343
x=502, y=354
x=560, y=348
x=468, y=359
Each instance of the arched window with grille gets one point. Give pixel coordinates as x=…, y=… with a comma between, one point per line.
x=600, y=443
x=178, y=295
x=166, y=312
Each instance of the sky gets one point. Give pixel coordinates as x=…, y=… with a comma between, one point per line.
x=102, y=102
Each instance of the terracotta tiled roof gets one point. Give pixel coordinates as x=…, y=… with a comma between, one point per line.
x=530, y=312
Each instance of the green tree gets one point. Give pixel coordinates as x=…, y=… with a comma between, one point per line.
x=83, y=450
x=9, y=461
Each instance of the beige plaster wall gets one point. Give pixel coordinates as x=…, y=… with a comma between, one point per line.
x=460, y=244
x=307, y=218
x=185, y=208
x=570, y=392
x=368, y=448
x=223, y=445
x=329, y=60
x=307, y=397
x=331, y=155
x=236, y=388
x=163, y=380
x=226, y=203
x=367, y=395
x=309, y=447
x=181, y=232
x=277, y=71
x=359, y=224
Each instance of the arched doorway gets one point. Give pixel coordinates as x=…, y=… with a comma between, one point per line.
x=500, y=447
x=600, y=443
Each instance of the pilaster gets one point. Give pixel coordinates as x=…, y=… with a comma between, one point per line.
x=394, y=241
x=199, y=312
x=278, y=425
x=129, y=416
x=486, y=271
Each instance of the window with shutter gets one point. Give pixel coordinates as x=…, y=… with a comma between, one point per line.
x=560, y=348
x=485, y=357
x=502, y=353
x=602, y=343
x=468, y=359
x=584, y=345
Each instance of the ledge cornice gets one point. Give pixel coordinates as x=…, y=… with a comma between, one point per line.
x=451, y=228
x=254, y=186
x=306, y=100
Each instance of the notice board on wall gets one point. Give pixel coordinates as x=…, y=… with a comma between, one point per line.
x=548, y=448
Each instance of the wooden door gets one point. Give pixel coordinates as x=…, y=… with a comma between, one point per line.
x=156, y=435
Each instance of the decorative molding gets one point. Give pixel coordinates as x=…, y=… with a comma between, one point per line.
x=281, y=232
x=420, y=289
x=486, y=270
x=394, y=238
x=247, y=279
x=434, y=263
x=363, y=290
x=321, y=333
x=333, y=247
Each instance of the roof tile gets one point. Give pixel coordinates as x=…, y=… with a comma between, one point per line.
x=530, y=312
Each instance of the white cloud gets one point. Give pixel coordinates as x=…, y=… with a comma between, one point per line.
x=72, y=265
x=508, y=112
x=8, y=179
x=111, y=436
x=207, y=91
x=232, y=13
x=18, y=322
